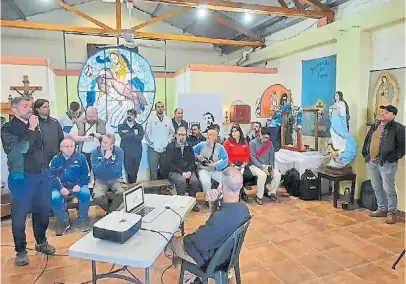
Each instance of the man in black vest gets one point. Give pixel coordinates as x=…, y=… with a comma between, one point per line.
x=29, y=178
x=131, y=134
x=177, y=120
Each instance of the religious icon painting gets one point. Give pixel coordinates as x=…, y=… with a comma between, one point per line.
x=272, y=98
x=115, y=80
x=386, y=87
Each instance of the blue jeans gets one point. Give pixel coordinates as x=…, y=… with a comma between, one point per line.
x=30, y=193
x=383, y=183
x=58, y=204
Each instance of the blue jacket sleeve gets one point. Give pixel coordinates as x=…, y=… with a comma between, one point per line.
x=198, y=148
x=84, y=176
x=140, y=135
x=117, y=164
x=224, y=158
x=98, y=165
x=11, y=142
x=55, y=169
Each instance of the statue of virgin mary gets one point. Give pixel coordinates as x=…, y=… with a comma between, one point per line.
x=343, y=146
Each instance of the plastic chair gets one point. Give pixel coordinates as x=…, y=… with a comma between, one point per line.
x=216, y=270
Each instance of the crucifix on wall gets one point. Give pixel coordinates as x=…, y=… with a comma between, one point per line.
x=26, y=90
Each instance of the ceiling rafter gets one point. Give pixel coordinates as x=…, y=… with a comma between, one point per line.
x=237, y=7
x=17, y=9
x=317, y=5
x=298, y=5
x=283, y=3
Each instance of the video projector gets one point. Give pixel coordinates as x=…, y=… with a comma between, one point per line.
x=118, y=226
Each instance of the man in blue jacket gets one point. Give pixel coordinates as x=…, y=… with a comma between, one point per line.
x=212, y=160
x=107, y=165
x=29, y=179
x=70, y=177
x=131, y=134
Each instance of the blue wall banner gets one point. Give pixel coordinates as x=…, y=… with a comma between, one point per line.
x=318, y=88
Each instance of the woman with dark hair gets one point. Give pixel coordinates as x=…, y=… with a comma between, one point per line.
x=238, y=152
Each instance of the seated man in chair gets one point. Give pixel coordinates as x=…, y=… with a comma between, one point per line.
x=70, y=177
x=181, y=162
x=200, y=246
x=107, y=164
x=263, y=166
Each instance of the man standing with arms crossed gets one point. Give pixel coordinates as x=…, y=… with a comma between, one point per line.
x=384, y=145
x=29, y=179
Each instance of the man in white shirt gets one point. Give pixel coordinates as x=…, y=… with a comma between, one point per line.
x=159, y=133
x=69, y=119
x=88, y=132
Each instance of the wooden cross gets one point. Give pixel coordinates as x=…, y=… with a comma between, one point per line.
x=26, y=90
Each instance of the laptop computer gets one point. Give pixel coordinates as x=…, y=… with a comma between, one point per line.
x=134, y=203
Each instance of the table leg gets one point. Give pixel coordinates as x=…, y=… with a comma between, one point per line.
x=147, y=275
x=182, y=228
x=336, y=192
x=94, y=272
x=353, y=189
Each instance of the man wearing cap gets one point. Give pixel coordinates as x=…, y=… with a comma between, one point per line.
x=384, y=145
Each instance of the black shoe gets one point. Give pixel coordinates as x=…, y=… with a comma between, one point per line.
x=22, y=258
x=83, y=225
x=244, y=196
x=206, y=205
x=196, y=208
x=61, y=228
x=258, y=201
x=272, y=197
x=45, y=248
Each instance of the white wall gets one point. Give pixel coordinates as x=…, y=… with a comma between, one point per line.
x=44, y=44
x=388, y=47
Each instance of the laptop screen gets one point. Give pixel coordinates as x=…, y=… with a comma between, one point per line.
x=133, y=198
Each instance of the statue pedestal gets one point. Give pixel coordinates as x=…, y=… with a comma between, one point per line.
x=339, y=170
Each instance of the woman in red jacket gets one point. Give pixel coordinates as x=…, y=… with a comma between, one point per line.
x=238, y=152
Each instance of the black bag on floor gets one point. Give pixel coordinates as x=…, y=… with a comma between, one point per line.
x=291, y=182
x=309, y=186
x=367, y=197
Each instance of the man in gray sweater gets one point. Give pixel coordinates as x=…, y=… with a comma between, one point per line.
x=263, y=165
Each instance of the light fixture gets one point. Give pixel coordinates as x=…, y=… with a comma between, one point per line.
x=201, y=11
x=247, y=17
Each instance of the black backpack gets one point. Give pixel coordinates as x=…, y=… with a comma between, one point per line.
x=367, y=198
x=309, y=186
x=291, y=182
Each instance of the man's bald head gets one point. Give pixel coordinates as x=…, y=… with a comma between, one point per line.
x=91, y=115
x=212, y=136
x=232, y=180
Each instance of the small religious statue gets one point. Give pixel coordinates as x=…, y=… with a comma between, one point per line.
x=26, y=90
x=226, y=117
x=342, y=148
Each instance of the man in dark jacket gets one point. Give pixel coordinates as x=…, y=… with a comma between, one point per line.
x=195, y=137
x=70, y=177
x=107, y=164
x=131, y=134
x=182, y=166
x=29, y=179
x=200, y=246
x=177, y=120
x=51, y=130
x=384, y=145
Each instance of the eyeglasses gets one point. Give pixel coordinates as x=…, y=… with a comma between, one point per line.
x=70, y=146
x=182, y=134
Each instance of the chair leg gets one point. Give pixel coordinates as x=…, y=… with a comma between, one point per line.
x=181, y=276
x=237, y=273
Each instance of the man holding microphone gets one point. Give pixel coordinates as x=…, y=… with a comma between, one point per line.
x=29, y=179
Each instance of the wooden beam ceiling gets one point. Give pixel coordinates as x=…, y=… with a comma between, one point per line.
x=317, y=5
x=100, y=31
x=83, y=15
x=161, y=18
x=283, y=3
x=233, y=25
x=118, y=15
x=220, y=5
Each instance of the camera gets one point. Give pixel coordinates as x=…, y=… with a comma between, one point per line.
x=91, y=134
x=205, y=162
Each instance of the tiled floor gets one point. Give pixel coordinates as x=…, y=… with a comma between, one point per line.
x=289, y=242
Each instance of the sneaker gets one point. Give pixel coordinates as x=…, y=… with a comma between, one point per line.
x=83, y=225
x=45, y=248
x=259, y=200
x=272, y=197
x=22, y=258
x=196, y=208
x=206, y=205
x=244, y=196
x=378, y=213
x=61, y=228
x=391, y=219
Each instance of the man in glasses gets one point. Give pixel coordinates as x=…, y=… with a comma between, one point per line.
x=181, y=162
x=70, y=177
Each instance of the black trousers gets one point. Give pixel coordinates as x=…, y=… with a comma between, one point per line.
x=132, y=160
x=30, y=194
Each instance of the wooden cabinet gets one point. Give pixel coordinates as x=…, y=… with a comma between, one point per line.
x=240, y=113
